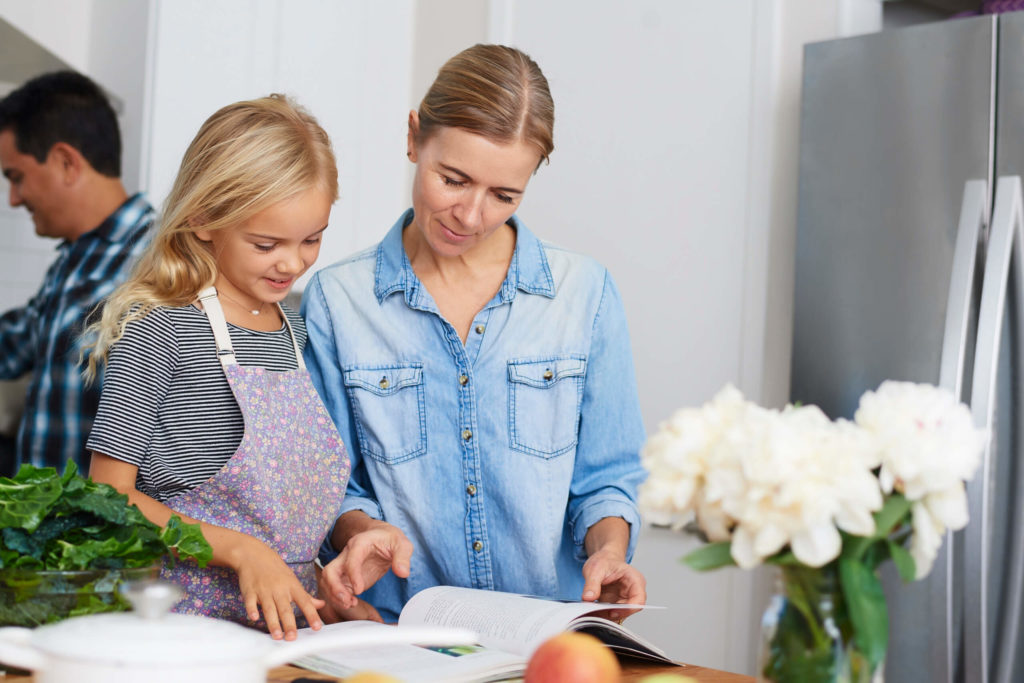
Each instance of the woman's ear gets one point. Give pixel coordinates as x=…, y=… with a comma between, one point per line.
x=414, y=131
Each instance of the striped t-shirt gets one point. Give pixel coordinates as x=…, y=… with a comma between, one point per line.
x=166, y=405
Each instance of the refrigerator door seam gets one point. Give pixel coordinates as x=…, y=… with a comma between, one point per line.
x=1004, y=246
x=973, y=220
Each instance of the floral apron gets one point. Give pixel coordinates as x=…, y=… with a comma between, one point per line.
x=283, y=485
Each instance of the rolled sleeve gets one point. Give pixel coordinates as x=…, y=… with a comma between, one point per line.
x=608, y=468
x=590, y=514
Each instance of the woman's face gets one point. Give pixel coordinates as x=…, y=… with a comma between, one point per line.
x=466, y=186
x=260, y=259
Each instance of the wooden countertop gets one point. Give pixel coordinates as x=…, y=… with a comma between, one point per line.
x=631, y=672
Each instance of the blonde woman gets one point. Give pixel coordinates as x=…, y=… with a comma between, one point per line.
x=207, y=410
x=481, y=378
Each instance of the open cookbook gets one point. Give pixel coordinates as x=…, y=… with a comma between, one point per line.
x=509, y=627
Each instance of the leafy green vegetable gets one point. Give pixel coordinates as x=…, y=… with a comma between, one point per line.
x=51, y=522
x=69, y=522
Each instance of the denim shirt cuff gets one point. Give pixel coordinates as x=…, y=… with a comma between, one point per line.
x=591, y=514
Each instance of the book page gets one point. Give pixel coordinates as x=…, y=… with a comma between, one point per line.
x=414, y=664
x=401, y=660
x=621, y=640
x=504, y=621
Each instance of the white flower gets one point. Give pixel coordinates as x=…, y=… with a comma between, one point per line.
x=763, y=479
x=676, y=458
x=928, y=446
x=926, y=540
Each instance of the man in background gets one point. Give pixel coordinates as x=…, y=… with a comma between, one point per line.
x=60, y=149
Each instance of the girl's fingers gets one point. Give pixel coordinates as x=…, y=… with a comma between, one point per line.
x=252, y=607
x=307, y=605
x=270, y=616
x=285, y=615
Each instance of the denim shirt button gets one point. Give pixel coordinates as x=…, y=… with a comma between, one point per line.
x=466, y=435
x=463, y=380
x=479, y=329
x=478, y=546
x=471, y=490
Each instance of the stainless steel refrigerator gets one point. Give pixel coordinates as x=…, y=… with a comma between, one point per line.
x=909, y=256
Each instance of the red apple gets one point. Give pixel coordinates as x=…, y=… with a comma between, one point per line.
x=572, y=658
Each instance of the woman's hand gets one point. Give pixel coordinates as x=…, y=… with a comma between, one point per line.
x=268, y=584
x=607, y=577
x=362, y=611
x=370, y=551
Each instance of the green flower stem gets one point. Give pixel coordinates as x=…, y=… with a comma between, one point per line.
x=799, y=591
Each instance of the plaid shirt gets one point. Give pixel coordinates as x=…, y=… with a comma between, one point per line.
x=43, y=336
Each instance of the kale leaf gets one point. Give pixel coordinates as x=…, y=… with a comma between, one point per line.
x=68, y=522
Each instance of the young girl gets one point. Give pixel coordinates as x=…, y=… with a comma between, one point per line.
x=207, y=409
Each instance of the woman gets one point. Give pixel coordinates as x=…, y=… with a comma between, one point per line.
x=482, y=379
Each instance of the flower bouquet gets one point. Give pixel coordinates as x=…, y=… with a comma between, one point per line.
x=826, y=501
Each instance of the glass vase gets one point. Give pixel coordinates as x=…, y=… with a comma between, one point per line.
x=806, y=632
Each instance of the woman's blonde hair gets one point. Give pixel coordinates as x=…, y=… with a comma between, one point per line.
x=245, y=158
x=495, y=91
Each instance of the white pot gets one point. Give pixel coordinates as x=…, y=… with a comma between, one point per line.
x=153, y=646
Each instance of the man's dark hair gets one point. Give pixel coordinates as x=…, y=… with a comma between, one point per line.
x=64, y=106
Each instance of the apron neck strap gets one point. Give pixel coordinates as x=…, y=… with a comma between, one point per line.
x=219, y=325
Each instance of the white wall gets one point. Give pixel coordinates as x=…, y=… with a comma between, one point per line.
x=61, y=26
x=348, y=63
x=650, y=175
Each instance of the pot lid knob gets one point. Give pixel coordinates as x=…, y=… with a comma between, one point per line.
x=152, y=599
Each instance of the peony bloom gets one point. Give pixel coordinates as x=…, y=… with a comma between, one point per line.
x=763, y=479
x=928, y=446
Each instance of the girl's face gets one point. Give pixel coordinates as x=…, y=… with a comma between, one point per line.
x=260, y=259
x=466, y=186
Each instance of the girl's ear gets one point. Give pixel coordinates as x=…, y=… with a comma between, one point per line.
x=197, y=223
x=414, y=130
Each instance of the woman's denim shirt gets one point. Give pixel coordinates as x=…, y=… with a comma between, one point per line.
x=494, y=456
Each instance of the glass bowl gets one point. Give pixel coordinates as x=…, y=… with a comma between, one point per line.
x=32, y=598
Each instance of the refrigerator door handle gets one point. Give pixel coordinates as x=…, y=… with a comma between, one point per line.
x=973, y=212
x=1005, y=246
x=973, y=219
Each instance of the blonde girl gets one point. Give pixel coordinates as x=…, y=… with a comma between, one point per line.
x=207, y=410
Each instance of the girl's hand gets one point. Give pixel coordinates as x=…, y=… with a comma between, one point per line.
x=267, y=583
x=367, y=556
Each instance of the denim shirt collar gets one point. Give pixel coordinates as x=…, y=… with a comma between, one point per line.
x=528, y=270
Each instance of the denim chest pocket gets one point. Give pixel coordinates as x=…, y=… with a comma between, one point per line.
x=544, y=398
x=387, y=402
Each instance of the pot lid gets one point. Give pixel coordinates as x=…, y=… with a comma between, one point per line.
x=149, y=635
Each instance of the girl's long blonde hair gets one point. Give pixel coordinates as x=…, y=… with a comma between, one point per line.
x=245, y=158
